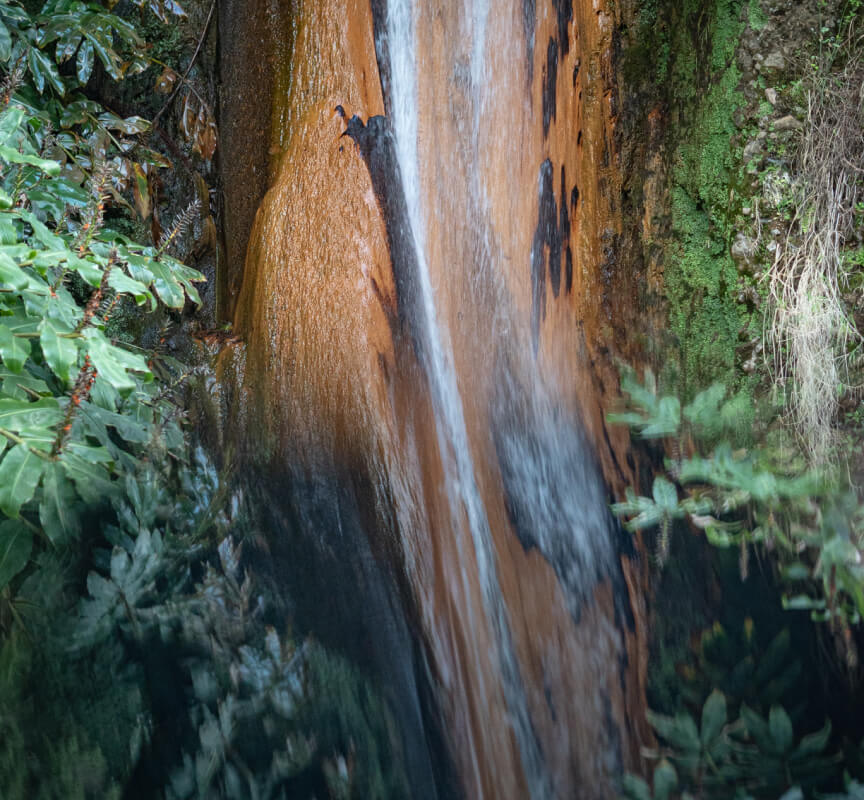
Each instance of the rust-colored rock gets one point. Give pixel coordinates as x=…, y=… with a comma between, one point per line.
x=522, y=227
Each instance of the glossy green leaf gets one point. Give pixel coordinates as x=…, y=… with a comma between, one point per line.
x=121, y=282
x=114, y=363
x=11, y=275
x=757, y=728
x=92, y=481
x=13, y=350
x=21, y=385
x=635, y=788
x=107, y=56
x=5, y=44
x=801, y=602
x=20, y=472
x=60, y=352
x=12, y=156
x=16, y=415
x=47, y=71
x=169, y=290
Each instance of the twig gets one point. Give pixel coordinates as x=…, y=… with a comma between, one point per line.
x=191, y=64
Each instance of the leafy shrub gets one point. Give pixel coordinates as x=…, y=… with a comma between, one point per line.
x=752, y=756
x=169, y=672
x=76, y=406
x=809, y=520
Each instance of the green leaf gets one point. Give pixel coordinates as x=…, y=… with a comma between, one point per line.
x=67, y=44
x=680, y=731
x=665, y=495
x=14, y=351
x=5, y=43
x=114, y=363
x=106, y=54
x=814, y=743
x=16, y=542
x=718, y=537
x=168, y=289
x=16, y=415
x=781, y=729
x=57, y=511
x=757, y=728
x=60, y=352
x=14, y=157
x=665, y=780
x=127, y=426
x=775, y=657
x=14, y=384
x=11, y=275
x=801, y=602
x=44, y=69
x=713, y=717
x=119, y=281
x=635, y=788
x=703, y=412
x=92, y=481
x=20, y=472
x=795, y=572
x=184, y=276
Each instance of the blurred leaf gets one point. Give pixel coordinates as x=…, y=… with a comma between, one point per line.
x=781, y=729
x=713, y=717
x=20, y=472
x=58, y=508
x=16, y=542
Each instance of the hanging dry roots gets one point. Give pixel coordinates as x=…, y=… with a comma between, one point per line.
x=812, y=335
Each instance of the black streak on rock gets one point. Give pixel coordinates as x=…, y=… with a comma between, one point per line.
x=546, y=222
x=552, y=240
x=568, y=270
x=379, y=25
x=550, y=83
x=376, y=145
x=563, y=233
x=564, y=13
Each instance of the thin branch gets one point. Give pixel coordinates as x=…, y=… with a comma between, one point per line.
x=191, y=64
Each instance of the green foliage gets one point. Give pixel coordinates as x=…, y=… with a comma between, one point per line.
x=685, y=52
x=75, y=406
x=811, y=523
x=171, y=666
x=752, y=756
x=700, y=276
x=744, y=671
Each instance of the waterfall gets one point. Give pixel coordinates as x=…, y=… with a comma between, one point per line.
x=417, y=312
x=536, y=466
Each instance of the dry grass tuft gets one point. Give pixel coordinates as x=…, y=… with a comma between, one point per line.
x=810, y=331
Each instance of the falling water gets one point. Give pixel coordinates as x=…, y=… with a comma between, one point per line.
x=570, y=526
x=456, y=455
x=450, y=421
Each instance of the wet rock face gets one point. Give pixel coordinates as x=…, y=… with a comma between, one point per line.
x=249, y=34
x=532, y=621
